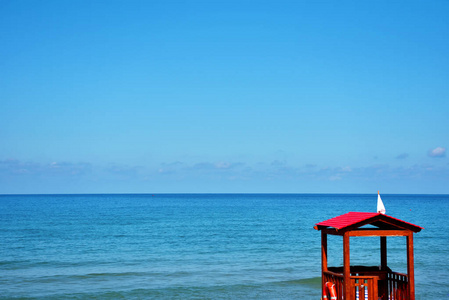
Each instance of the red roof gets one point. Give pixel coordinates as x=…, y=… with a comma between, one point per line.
x=358, y=219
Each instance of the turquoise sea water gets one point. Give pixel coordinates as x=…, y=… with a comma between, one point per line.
x=208, y=246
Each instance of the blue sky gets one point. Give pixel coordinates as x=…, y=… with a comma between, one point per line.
x=224, y=96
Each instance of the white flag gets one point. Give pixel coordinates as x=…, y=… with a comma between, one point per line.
x=380, y=204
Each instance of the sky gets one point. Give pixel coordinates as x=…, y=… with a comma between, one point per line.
x=224, y=96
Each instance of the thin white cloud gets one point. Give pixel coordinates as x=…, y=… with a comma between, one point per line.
x=346, y=169
x=208, y=166
x=222, y=165
x=124, y=171
x=335, y=178
x=437, y=152
x=402, y=156
x=310, y=166
x=68, y=168
x=17, y=167
x=179, y=174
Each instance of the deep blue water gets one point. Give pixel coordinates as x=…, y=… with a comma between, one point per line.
x=208, y=246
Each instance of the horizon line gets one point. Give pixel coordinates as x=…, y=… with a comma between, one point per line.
x=211, y=193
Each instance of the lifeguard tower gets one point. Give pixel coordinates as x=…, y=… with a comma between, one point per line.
x=366, y=282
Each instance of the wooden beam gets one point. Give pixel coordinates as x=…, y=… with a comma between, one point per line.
x=323, y=260
x=379, y=232
x=346, y=267
x=383, y=284
x=324, y=251
x=367, y=232
x=410, y=267
x=383, y=252
x=332, y=231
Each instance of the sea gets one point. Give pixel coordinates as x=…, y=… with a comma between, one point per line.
x=202, y=246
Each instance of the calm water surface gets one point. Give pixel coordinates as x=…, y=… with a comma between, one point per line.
x=200, y=246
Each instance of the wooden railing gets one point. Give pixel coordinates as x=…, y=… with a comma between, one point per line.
x=397, y=284
x=370, y=284
x=337, y=279
x=364, y=287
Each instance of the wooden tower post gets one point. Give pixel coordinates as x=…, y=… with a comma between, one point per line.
x=410, y=267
